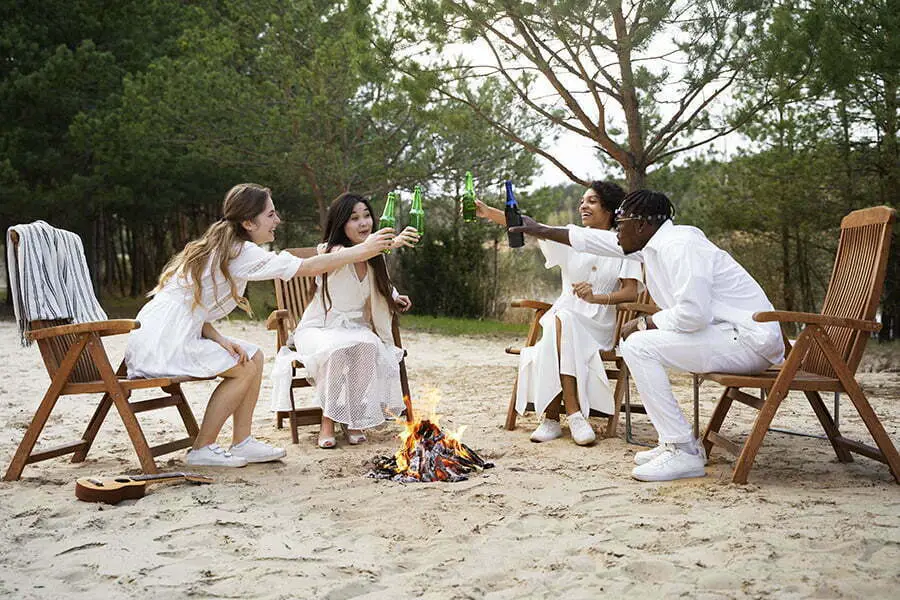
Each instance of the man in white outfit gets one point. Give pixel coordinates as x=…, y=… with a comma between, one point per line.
x=706, y=322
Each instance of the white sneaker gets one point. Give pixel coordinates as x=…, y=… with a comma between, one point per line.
x=645, y=456
x=255, y=451
x=670, y=464
x=546, y=431
x=214, y=455
x=582, y=432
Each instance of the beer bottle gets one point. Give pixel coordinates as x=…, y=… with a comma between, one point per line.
x=387, y=217
x=468, y=199
x=513, y=218
x=416, y=212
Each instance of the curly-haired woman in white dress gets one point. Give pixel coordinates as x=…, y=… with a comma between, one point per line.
x=344, y=337
x=565, y=363
x=203, y=283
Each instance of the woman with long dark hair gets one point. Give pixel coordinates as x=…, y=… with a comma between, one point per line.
x=564, y=366
x=344, y=337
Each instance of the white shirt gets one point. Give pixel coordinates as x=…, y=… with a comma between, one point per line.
x=695, y=283
x=602, y=272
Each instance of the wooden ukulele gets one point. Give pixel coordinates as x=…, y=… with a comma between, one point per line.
x=127, y=487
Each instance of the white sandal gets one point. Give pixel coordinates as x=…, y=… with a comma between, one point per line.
x=355, y=439
x=327, y=443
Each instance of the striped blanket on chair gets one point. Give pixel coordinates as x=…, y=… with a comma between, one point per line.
x=49, y=278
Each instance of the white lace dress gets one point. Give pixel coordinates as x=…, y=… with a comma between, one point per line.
x=586, y=329
x=169, y=343
x=348, y=352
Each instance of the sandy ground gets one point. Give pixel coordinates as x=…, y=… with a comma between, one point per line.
x=551, y=520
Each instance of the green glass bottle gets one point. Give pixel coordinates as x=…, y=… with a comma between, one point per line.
x=468, y=199
x=388, y=218
x=416, y=212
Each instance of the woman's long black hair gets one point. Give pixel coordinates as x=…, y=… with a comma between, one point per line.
x=339, y=213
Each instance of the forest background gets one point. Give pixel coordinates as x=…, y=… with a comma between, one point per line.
x=126, y=121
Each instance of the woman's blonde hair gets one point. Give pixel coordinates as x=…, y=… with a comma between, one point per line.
x=221, y=242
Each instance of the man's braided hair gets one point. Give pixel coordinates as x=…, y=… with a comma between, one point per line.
x=653, y=207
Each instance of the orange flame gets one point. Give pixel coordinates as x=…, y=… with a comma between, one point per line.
x=427, y=453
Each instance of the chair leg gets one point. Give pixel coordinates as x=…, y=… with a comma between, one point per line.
x=612, y=423
x=295, y=436
x=23, y=452
x=20, y=459
x=93, y=427
x=184, y=409
x=511, y=411
x=758, y=433
x=715, y=421
x=876, y=430
x=696, y=426
x=829, y=426
x=120, y=399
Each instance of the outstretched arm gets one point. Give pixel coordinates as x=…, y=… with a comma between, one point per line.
x=323, y=263
x=543, y=232
x=489, y=212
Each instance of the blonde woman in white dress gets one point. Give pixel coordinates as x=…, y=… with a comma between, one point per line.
x=202, y=284
x=344, y=338
x=564, y=365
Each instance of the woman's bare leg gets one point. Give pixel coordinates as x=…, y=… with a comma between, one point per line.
x=243, y=415
x=326, y=430
x=224, y=400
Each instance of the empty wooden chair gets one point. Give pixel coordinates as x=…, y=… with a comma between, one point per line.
x=291, y=299
x=77, y=363
x=826, y=354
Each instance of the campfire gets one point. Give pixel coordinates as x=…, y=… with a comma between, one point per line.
x=428, y=453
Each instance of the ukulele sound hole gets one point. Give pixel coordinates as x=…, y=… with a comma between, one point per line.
x=122, y=479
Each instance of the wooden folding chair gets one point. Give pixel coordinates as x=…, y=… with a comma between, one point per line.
x=617, y=372
x=78, y=364
x=826, y=354
x=291, y=299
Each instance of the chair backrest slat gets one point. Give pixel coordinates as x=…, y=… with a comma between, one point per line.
x=857, y=280
x=294, y=295
x=625, y=315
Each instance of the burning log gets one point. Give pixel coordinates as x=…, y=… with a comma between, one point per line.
x=428, y=454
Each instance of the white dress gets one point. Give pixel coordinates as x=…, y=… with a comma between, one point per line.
x=169, y=341
x=348, y=352
x=586, y=329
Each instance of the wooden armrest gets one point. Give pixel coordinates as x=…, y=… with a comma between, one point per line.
x=647, y=309
x=535, y=304
x=111, y=327
x=786, y=316
x=275, y=317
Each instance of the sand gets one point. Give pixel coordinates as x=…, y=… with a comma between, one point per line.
x=550, y=521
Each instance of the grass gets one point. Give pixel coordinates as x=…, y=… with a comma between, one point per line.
x=458, y=326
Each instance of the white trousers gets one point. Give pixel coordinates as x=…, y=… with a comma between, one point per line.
x=649, y=353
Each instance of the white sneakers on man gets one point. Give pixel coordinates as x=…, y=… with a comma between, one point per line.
x=582, y=432
x=549, y=429
x=255, y=451
x=671, y=463
x=645, y=456
x=214, y=455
